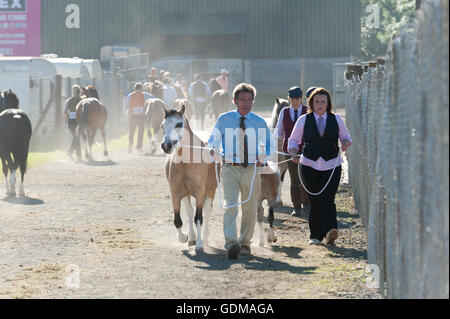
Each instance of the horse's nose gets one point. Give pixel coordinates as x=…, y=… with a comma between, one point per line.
x=166, y=147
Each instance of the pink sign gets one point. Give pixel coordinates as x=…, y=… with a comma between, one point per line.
x=20, y=27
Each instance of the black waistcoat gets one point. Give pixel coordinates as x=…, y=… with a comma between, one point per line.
x=316, y=146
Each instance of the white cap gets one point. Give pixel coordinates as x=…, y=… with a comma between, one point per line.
x=224, y=71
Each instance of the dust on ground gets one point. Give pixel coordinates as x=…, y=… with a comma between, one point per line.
x=105, y=230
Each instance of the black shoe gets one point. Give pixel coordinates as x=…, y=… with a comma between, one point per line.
x=233, y=251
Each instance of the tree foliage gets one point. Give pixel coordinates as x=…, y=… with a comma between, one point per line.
x=393, y=15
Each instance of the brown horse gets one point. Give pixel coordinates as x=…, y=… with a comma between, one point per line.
x=91, y=116
x=188, y=177
x=220, y=103
x=278, y=106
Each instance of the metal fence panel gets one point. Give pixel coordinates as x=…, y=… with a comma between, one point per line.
x=398, y=165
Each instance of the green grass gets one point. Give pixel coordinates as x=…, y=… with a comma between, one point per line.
x=36, y=159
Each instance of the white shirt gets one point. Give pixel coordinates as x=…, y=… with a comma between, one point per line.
x=279, y=131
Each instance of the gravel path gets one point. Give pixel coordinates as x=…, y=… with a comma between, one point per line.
x=105, y=230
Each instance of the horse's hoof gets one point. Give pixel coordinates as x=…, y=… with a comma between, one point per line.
x=274, y=239
x=199, y=251
x=192, y=243
x=182, y=238
x=105, y=153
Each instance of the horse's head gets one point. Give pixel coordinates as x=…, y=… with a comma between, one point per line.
x=173, y=125
x=214, y=85
x=278, y=106
x=91, y=91
x=157, y=89
x=9, y=100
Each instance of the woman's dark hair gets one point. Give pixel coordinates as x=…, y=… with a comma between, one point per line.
x=320, y=91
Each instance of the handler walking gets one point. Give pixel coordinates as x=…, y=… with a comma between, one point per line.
x=320, y=162
x=135, y=108
x=286, y=121
x=240, y=133
x=70, y=111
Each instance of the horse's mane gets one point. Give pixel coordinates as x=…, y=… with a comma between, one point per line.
x=10, y=100
x=277, y=107
x=91, y=91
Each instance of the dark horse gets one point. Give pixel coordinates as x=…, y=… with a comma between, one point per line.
x=15, y=135
x=91, y=116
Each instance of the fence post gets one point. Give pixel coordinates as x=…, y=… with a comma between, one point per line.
x=58, y=111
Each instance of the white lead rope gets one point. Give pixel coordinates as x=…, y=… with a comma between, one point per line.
x=300, y=175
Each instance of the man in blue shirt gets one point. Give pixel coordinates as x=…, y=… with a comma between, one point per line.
x=246, y=141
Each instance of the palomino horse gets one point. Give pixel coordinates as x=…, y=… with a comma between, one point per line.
x=270, y=183
x=188, y=178
x=91, y=116
x=15, y=135
x=278, y=106
x=154, y=116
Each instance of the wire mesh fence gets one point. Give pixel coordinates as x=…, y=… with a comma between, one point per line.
x=397, y=113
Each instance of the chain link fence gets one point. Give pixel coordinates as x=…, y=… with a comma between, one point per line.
x=397, y=112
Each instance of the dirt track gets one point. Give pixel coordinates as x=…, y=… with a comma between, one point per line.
x=112, y=223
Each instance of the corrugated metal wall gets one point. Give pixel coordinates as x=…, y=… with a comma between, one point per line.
x=275, y=28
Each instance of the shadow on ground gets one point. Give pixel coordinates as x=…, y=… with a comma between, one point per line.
x=218, y=260
x=23, y=200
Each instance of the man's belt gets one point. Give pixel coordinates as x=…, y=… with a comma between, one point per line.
x=258, y=164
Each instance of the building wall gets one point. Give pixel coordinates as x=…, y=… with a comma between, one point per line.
x=247, y=29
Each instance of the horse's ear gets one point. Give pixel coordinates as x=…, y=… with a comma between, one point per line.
x=183, y=110
x=278, y=101
x=166, y=112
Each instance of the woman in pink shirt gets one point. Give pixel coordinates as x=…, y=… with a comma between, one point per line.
x=320, y=130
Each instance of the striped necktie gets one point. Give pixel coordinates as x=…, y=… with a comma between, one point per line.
x=245, y=142
x=295, y=116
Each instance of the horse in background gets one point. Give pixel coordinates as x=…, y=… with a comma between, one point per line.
x=220, y=103
x=15, y=135
x=188, y=178
x=279, y=105
x=91, y=116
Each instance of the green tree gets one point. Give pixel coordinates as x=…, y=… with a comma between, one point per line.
x=393, y=14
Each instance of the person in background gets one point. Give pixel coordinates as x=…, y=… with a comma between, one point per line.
x=153, y=76
x=308, y=94
x=222, y=79
x=135, y=110
x=70, y=111
x=170, y=94
x=320, y=131
x=286, y=121
x=199, y=93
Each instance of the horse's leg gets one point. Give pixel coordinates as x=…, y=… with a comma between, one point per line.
x=177, y=220
x=199, y=201
x=186, y=206
x=12, y=182
x=91, y=142
x=105, y=153
x=271, y=236
x=260, y=219
x=283, y=170
x=23, y=169
x=5, y=173
x=207, y=207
